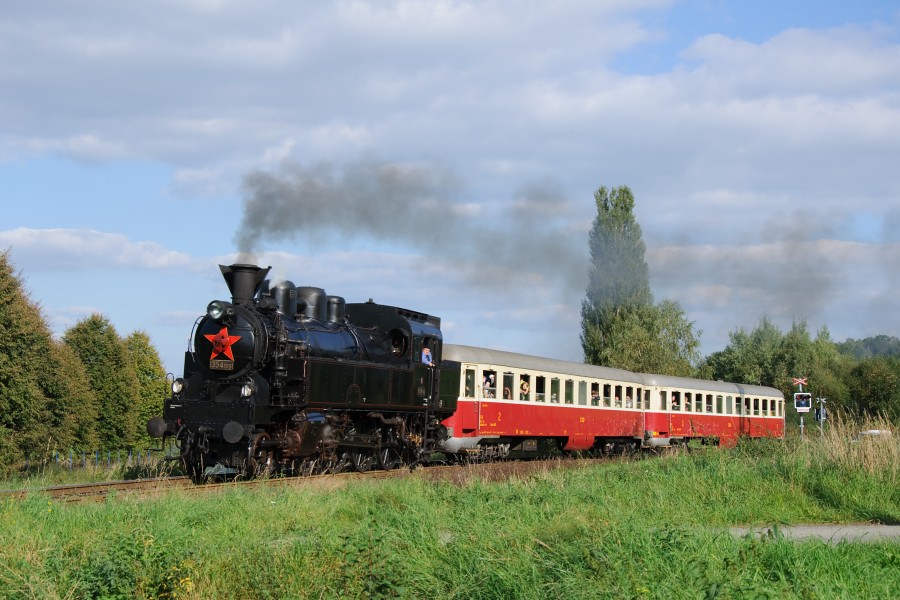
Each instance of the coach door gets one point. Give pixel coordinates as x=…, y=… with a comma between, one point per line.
x=654, y=415
x=640, y=404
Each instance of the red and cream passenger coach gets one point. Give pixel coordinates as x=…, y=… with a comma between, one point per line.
x=515, y=403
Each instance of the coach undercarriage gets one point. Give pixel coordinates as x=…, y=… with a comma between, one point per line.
x=494, y=447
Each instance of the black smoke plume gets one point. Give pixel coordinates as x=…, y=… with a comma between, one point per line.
x=420, y=207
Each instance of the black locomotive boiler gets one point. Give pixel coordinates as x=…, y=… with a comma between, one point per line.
x=289, y=379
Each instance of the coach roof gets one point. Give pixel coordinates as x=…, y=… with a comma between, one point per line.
x=501, y=358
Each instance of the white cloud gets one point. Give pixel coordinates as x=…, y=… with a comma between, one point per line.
x=80, y=249
x=848, y=61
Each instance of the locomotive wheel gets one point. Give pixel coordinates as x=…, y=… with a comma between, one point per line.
x=388, y=458
x=362, y=460
x=260, y=461
x=308, y=467
x=344, y=463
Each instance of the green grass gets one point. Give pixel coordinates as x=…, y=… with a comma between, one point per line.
x=652, y=528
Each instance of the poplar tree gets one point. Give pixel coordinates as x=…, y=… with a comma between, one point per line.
x=618, y=279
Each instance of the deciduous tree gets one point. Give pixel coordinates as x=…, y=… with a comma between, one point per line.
x=112, y=378
x=875, y=387
x=750, y=357
x=25, y=343
x=151, y=378
x=620, y=325
x=73, y=403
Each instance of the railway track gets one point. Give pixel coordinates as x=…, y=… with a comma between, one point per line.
x=100, y=490
x=456, y=474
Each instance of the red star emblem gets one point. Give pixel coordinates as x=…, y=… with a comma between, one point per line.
x=222, y=343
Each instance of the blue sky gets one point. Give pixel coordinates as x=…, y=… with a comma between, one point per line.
x=443, y=155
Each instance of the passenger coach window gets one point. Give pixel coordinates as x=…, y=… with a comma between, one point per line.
x=595, y=394
x=524, y=388
x=489, y=383
x=719, y=405
x=756, y=406
x=676, y=401
x=728, y=405
x=709, y=403
x=582, y=392
x=508, y=386
x=570, y=391
x=470, y=383
x=698, y=403
x=540, y=389
x=664, y=399
x=607, y=393
x=554, y=390
x=618, y=399
x=639, y=398
x=687, y=401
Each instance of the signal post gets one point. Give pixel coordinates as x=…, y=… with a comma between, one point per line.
x=802, y=401
x=821, y=414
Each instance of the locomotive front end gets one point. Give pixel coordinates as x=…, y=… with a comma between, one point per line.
x=211, y=409
x=287, y=379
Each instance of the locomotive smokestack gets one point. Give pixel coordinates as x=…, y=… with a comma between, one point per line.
x=243, y=281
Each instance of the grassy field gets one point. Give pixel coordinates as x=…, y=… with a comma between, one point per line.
x=653, y=528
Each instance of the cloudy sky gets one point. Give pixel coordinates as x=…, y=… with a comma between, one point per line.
x=442, y=156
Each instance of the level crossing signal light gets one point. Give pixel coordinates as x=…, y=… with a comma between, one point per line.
x=802, y=402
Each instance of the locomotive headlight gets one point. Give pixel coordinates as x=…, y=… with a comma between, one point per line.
x=247, y=390
x=215, y=310
x=178, y=386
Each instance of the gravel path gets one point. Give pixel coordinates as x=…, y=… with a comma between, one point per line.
x=832, y=534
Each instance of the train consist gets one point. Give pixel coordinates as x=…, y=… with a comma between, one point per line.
x=289, y=379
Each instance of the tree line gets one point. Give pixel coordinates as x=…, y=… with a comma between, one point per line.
x=89, y=390
x=623, y=327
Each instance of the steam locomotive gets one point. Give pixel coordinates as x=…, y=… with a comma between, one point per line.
x=290, y=379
